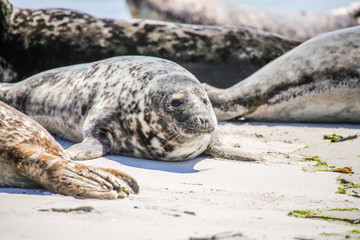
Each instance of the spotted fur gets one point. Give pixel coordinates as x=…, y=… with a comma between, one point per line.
x=121, y=105
x=302, y=25
x=30, y=157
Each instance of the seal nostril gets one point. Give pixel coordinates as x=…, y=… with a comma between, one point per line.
x=201, y=120
x=206, y=120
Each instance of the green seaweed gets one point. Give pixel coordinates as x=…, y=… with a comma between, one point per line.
x=325, y=166
x=330, y=234
x=348, y=188
x=332, y=136
x=344, y=209
x=318, y=214
x=316, y=158
x=341, y=190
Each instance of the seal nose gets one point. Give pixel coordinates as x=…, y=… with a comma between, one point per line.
x=203, y=122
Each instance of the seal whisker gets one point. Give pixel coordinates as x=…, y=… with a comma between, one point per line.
x=170, y=140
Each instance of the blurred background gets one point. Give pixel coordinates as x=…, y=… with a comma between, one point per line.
x=118, y=8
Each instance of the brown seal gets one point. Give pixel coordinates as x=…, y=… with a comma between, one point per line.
x=30, y=157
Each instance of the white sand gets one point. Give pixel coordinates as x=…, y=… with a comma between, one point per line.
x=204, y=196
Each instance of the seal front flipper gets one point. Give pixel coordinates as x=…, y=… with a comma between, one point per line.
x=218, y=150
x=231, y=153
x=89, y=148
x=82, y=181
x=75, y=179
x=97, y=142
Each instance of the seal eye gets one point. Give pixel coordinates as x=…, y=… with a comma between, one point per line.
x=205, y=101
x=176, y=103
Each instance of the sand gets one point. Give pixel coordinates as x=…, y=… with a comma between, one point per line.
x=208, y=198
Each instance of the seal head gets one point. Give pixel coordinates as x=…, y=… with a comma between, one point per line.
x=182, y=117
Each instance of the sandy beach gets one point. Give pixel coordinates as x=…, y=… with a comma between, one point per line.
x=208, y=198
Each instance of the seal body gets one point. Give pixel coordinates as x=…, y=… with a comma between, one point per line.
x=300, y=26
x=30, y=157
x=318, y=81
x=136, y=106
x=208, y=51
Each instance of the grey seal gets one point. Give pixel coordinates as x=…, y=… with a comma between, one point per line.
x=295, y=25
x=30, y=158
x=136, y=106
x=7, y=72
x=318, y=81
x=62, y=37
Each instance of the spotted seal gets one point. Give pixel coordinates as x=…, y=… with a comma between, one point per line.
x=61, y=37
x=136, y=106
x=295, y=25
x=318, y=81
x=30, y=157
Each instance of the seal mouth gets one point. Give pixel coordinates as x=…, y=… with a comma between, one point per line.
x=194, y=130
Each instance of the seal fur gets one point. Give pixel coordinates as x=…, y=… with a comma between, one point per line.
x=30, y=157
x=295, y=25
x=62, y=37
x=135, y=106
x=318, y=81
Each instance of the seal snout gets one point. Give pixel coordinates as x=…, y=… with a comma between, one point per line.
x=204, y=124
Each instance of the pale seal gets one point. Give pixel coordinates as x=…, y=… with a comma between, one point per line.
x=30, y=157
x=294, y=25
x=318, y=81
x=136, y=106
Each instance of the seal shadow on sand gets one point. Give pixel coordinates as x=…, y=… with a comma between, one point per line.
x=27, y=191
x=187, y=166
